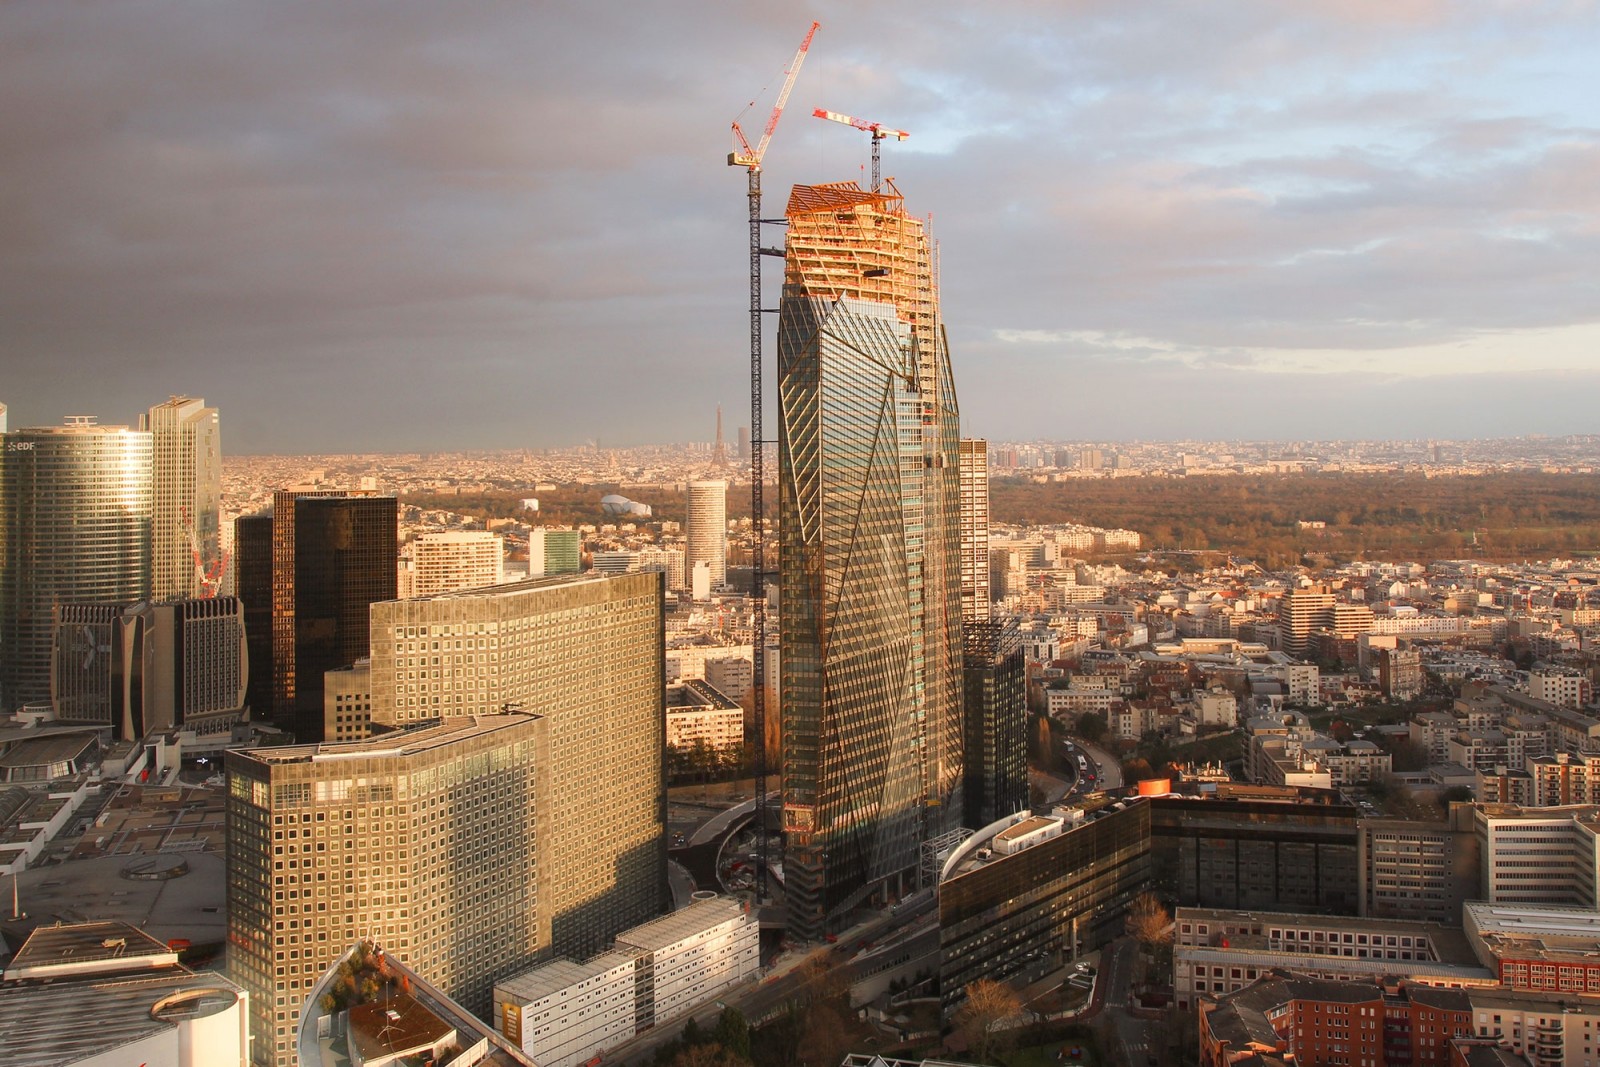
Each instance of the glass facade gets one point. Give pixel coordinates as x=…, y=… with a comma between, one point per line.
x=187, y=497
x=75, y=504
x=334, y=555
x=996, y=752
x=1032, y=912
x=869, y=554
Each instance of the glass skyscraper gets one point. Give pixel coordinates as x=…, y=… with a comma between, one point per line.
x=869, y=550
x=75, y=505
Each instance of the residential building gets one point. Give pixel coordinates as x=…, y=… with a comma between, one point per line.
x=75, y=507
x=1546, y=1029
x=432, y=842
x=1569, y=689
x=869, y=528
x=91, y=993
x=1565, y=778
x=563, y=1013
x=186, y=498
x=585, y=653
x=456, y=559
x=1286, y=1017
x=1299, y=612
x=974, y=477
x=333, y=556
x=698, y=712
x=706, y=530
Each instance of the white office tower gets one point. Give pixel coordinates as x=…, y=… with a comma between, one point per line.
x=186, y=502
x=456, y=559
x=708, y=531
x=699, y=579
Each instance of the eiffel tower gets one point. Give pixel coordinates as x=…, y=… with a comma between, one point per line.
x=719, y=451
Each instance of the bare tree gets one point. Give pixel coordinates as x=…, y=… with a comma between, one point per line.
x=987, y=1003
x=1148, y=922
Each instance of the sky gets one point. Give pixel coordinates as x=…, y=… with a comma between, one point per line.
x=392, y=225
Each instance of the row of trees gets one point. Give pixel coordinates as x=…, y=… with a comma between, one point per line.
x=1509, y=515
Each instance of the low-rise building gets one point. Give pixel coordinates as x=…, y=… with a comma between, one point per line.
x=698, y=711
x=1549, y=949
x=106, y=992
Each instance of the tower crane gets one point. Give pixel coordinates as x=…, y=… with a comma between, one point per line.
x=750, y=159
x=878, y=130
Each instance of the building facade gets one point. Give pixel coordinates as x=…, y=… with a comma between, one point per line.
x=456, y=559
x=974, y=474
x=706, y=532
x=75, y=507
x=429, y=843
x=147, y=667
x=186, y=498
x=334, y=555
x=995, y=749
x=870, y=634
x=1424, y=871
x=252, y=582
x=585, y=653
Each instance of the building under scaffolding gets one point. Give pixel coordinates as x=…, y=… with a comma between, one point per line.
x=870, y=540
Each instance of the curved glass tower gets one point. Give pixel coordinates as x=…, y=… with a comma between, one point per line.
x=869, y=541
x=75, y=504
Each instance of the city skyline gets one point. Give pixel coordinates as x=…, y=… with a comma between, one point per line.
x=1232, y=215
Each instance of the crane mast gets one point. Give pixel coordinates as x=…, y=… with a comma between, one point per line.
x=877, y=129
x=750, y=159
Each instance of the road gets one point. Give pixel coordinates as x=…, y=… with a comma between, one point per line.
x=1140, y=1040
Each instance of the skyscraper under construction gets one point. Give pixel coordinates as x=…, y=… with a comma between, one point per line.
x=870, y=538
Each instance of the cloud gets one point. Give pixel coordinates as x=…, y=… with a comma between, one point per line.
x=404, y=224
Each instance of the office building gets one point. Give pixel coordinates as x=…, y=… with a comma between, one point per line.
x=974, y=473
x=186, y=498
x=347, y=702
x=147, y=667
x=1024, y=897
x=707, y=530
x=252, y=571
x=333, y=556
x=75, y=528
x=456, y=559
x=1539, y=856
x=432, y=842
x=869, y=553
x=553, y=552
x=995, y=749
x=94, y=993
x=585, y=653
x=1419, y=870
x=1294, y=850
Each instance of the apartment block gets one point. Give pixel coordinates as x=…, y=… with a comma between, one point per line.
x=456, y=559
x=1419, y=871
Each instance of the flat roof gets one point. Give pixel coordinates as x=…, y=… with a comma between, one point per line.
x=402, y=742
x=115, y=946
x=558, y=974
x=399, y=1024
x=681, y=924
x=70, y=1019
x=42, y=751
x=1026, y=827
x=1449, y=943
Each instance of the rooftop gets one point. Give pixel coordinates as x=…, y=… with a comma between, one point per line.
x=404, y=742
x=558, y=974
x=87, y=948
x=681, y=924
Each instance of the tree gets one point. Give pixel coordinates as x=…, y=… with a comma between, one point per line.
x=708, y=1054
x=1148, y=922
x=733, y=1033
x=1091, y=726
x=987, y=1003
x=1456, y=794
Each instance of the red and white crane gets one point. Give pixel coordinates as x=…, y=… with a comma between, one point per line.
x=750, y=159
x=878, y=131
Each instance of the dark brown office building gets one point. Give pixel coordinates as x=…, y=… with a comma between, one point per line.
x=334, y=555
x=252, y=584
x=995, y=755
x=1293, y=854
